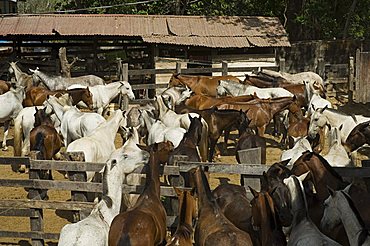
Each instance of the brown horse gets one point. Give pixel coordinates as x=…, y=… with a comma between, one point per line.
x=266, y=220
x=262, y=82
x=4, y=86
x=213, y=227
x=272, y=182
x=297, y=125
x=261, y=111
x=322, y=175
x=36, y=96
x=200, y=85
x=201, y=102
x=249, y=140
x=187, y=212
x=359, y=136
x=190, y=141
x=44, y=137
x=145, y=223
x=218, y=121
x=234, y=204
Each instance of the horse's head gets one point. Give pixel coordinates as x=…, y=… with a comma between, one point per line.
x=162, y=150
x=335, y=135
x=175, y=80
x=87, y=97
x=221, y=90
x=195, y=129
x=358, y=137
x=128, y=157
x=317, y=121
x=35, y=76
x=263, y=209
x=185, y=95
x=332, y=213
x=279, y=193
x=296, y=190
x=187, y=202
x=127, y=90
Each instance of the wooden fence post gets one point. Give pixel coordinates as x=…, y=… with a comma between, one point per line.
x=224, y=68
x=178, y=67
x=79, y=196
x=357, y=92
x=250, y=156
x=37, y=220
x=351, y=78
x=282, y=65
x=321, y=67
x=125, y=101
x=177, y=181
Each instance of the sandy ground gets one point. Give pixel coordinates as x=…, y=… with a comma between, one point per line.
x=55, y=220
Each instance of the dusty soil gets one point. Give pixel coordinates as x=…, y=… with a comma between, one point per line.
x=55, y=220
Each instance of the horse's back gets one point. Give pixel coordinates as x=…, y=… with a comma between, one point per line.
x=228, y=237
x=133, y=227
x=306, y=233
x=84, y=232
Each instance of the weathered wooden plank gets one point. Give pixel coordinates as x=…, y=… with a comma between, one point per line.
x=35, y=235
x=148, y=86
x=254, y=169
x=165, y=190
x=195, y=70
x=26, y=203
x=37, y=222
x=17, y=212
x=249, y=156
x=52, y=185
x=77, y=166
x=14, y=160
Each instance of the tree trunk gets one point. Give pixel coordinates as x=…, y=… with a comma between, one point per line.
x=65, y=67
x=348, y=20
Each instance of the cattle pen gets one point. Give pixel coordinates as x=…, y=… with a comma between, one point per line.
x=34, y=207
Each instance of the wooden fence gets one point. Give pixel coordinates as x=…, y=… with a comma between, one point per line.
x=34, y=208
x=124, y=73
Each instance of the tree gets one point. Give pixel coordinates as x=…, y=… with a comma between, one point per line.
x=304, y=19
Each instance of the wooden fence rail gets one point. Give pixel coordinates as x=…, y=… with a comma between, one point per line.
x=34, y=208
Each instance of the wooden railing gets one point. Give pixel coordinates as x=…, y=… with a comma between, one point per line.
x=34, y=208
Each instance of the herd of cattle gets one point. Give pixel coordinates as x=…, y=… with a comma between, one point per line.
x=302, y=201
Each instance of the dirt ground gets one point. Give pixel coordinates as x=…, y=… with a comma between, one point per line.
x=55, y=220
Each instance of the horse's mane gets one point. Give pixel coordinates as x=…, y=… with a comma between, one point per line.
x=327, y=166
x=105, y=196
x=185, y=230
x=300, y=192
x=208, y=192
x=273, y=220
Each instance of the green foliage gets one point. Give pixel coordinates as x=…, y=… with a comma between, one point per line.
x=304, y=19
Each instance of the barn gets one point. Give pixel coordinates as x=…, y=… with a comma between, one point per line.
x=142, y=41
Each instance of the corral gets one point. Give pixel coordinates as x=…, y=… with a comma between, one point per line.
x=40, y=221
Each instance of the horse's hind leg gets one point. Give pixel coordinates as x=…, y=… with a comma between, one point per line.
x=6, y=132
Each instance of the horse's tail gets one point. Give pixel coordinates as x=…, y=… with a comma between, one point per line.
x=39, y=142
x=124, y=240
x=203, y=148
x=18, y=135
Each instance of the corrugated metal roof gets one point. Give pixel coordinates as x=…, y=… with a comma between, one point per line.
x=215, y=32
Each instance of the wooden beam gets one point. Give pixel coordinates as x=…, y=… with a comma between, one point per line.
x=52, y=185
x=26, y=203
x=77, y=166
x=35, y=235
x=17, y=212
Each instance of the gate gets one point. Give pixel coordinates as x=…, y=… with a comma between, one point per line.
x=361, y=90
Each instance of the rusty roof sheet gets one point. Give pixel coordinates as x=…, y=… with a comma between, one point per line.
x=216, y=32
